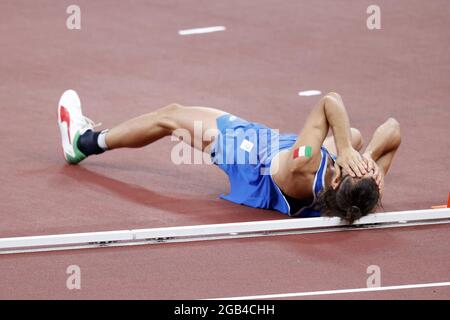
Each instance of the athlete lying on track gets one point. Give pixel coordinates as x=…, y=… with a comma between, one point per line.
x=296, y=175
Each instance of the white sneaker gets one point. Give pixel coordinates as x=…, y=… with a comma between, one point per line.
x=72, y=124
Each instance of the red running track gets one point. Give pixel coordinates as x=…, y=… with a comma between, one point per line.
x=128, y=59
x=230, y=268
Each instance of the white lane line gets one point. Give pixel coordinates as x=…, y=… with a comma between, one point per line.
x=201, y=30
x=309, y=93
x=331, y=292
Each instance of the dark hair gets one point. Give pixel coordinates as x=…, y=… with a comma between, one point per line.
x=351, y=200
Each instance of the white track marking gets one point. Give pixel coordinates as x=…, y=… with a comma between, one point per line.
x=216, y=231
x=309, y=93
x=343, y=291
x=201, y=30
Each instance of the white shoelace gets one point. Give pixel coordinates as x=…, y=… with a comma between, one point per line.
x=88, y=124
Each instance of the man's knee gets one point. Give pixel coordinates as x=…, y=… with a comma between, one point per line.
x=395, y=127
x=393, y=123
x=168, y=115
x=171, y=108
x=357, y=139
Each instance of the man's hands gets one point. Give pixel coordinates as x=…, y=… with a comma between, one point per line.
x=373, y=169
x=357, y=165
x=352, y=162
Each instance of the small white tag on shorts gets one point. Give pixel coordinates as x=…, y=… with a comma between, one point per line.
x=232, y=118
x=246, y=145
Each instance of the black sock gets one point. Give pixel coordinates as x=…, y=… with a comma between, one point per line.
x=87, y=143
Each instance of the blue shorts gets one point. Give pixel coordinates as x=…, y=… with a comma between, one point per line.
x=244, y=151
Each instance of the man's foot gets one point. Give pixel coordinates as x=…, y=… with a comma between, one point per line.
x=72, y=124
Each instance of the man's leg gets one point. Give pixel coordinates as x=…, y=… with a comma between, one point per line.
x=145, y=129
x=384, y=144
x=357, y=142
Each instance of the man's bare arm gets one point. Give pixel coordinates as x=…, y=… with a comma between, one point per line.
x=329, y=112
